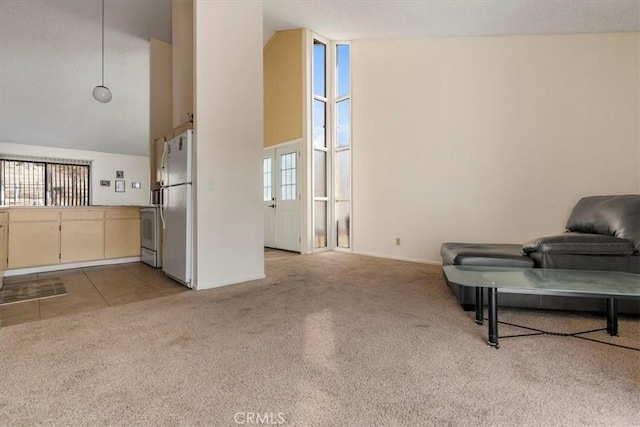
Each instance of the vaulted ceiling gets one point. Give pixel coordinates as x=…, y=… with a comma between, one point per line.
x=50, y=57
x=373, y=19
x=50, y=61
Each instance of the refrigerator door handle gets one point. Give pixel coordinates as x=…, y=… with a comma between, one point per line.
x=162, y=166
x=162, y=207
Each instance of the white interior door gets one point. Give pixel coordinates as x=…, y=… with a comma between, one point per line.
x=269, y=197
x=282, y=212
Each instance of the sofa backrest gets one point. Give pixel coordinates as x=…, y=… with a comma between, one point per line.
x=617, y=216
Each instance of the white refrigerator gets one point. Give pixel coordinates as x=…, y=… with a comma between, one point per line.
x=176, y=211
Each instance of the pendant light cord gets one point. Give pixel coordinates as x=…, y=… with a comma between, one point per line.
x=102, y=42
x=101, y=93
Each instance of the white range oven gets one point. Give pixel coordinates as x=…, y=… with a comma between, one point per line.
x=150, y=236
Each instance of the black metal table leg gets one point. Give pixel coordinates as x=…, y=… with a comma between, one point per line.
x=612, y=317
x=493, y=318
x=479, y=305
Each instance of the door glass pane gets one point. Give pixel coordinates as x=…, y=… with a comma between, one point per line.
x=344, y=123
x=266, y=179
x=319, y=121
x=320, y=173
x=320, y=226
x=288, y=183
x=343, y=218
x=343, y=174
x=319, y=55
x=342, y=69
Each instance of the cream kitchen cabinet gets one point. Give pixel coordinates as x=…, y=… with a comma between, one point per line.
x=81, y=235
x=49, y=236
x=122, y=233
x=34, y=238
x=3, y=241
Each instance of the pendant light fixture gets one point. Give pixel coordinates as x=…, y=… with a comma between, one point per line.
x=102, y=93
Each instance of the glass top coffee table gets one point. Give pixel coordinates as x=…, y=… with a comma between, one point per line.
x=610, y=285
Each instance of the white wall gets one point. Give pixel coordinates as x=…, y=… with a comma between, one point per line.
x=229, y=132
x=488, y=139
x=160, y=97
x=51, y=61
x=160, y=89
x=182, y=31
x=103, y=167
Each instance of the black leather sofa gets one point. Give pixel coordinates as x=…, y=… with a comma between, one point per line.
x=602, y=233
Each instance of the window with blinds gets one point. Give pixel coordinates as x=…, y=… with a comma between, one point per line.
x=43, y=183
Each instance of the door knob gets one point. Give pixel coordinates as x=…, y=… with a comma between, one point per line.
x=271, y=206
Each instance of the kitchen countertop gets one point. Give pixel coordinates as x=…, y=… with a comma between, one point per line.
x=6, y=208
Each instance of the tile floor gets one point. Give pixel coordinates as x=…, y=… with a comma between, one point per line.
x=93, y=288
x=90, y=289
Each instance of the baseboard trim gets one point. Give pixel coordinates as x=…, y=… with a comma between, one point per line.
x=398, y=258
x=69, y=266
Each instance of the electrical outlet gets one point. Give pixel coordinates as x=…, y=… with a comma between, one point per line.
x=397, y=241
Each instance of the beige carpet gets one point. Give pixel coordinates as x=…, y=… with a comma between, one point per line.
x=330, y=339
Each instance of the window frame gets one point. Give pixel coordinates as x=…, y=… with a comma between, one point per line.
x=85, y=199
x=337, y=149
x=328, y=126
x=331, y=100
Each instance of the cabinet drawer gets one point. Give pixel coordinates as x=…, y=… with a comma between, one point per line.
x=73, y=214
x=122, y=213
x=34, y=215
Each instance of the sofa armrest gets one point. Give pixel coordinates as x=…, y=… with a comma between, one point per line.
x=579, y=243
x=617, y=216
